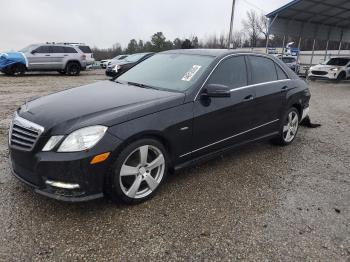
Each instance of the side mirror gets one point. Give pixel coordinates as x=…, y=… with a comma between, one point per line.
x=33, y=52
x=217, y=90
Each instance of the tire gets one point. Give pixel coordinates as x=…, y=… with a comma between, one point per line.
x=15, y=70
x=134, y=179
x=73, y=69
x=341, y=77
x=289, y=127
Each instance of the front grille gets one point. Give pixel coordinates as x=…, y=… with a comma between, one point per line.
x=319, y=73
x=24, y=134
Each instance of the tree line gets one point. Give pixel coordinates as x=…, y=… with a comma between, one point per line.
x=253, y=34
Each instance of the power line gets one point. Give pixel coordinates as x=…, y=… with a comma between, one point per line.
x=255, y=6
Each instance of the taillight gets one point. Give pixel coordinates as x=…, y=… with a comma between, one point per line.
x=83, y=57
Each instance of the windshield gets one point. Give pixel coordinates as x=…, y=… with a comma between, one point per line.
x=134, y=58
x=176, y=72
x=338, y=61
x=27, y=49
x=119, y=57
x=288, y=59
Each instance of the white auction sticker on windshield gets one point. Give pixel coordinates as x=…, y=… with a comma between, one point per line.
x=191, y=73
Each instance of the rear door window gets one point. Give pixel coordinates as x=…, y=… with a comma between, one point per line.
x=69, y=50
x=57, y=49
x=263, y=69
x=231, y=72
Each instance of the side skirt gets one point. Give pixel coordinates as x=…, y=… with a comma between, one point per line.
x=215, y=154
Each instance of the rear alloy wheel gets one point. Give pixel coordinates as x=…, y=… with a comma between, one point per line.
x=289, y=129
x=140, y=169
x=73, y=69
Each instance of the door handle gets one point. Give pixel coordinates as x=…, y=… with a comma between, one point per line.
x=285, y=88
x=47, y=55
x=65, y=55
x=248, y=98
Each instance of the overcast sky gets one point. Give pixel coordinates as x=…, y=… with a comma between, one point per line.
x=104, y=22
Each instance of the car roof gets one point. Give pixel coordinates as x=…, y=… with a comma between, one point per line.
x=210, y=52
x=55, y=44
x=145, y=53
x=344, y=57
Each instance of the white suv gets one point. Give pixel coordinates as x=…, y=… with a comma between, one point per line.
x=337, y=68
x=86, y=50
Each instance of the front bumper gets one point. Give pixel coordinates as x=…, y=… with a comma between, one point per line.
x=111, y=72
x=49, y=173
x=326, y=75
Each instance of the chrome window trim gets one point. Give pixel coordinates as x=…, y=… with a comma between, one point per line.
x=243, y=87
x=227, y=138
x=259, y=84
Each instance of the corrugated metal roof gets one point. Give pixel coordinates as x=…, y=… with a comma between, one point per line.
x=313, y=18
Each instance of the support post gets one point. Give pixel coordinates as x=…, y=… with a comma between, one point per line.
x=267, y=42
x=327, y=46
x=231, y=24
x=340, y=46
x=313, y=53
x=326, y=53
x=341, y=40
x=270, y=23
x=283, y=44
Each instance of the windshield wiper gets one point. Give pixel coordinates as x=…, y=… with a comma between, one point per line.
x=141, y=85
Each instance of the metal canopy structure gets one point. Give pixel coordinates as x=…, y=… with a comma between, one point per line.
x=315, y=19
x=327, y=20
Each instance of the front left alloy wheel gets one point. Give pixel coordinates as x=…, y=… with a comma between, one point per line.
x=139, y=171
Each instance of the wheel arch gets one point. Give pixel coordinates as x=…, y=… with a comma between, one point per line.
x=298, y=106
x=72, y=61
x=151, y=134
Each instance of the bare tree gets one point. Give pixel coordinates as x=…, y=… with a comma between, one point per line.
x=263, y=25
x=238, y=39
x=223, y=41
x=254, y=26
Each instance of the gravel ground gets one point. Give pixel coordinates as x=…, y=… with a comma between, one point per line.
x=259, y=203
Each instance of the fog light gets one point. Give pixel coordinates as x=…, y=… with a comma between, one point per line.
x=100, y=158
x=62, y=185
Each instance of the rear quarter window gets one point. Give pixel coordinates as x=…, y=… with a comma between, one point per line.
x=280, y=73
x=85, y=49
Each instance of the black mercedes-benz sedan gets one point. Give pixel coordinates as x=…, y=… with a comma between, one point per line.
x=119, y=67
x=120, y=138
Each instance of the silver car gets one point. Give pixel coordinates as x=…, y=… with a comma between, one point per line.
x=66, y=59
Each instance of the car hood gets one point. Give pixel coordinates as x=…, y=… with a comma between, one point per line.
x=325, y=67
x=103, y=103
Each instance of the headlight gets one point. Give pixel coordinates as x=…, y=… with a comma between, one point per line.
x=334, y=69
x=117, y=67
x=82, y=139
x=53, y=141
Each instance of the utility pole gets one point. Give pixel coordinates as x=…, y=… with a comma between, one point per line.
x=231, y=24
